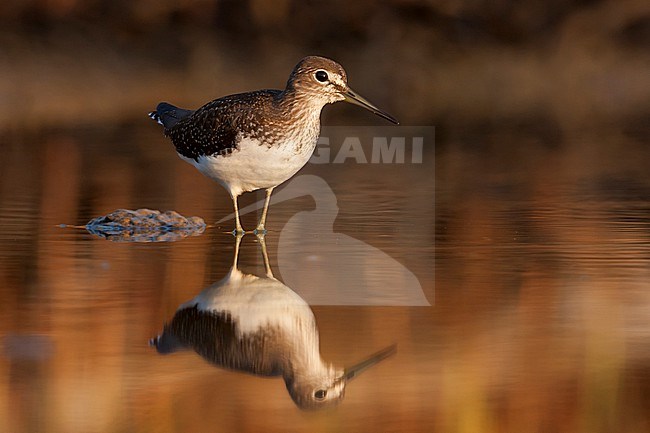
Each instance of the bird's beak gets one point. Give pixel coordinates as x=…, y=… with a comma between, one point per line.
x=356, y=99
x=352, y=372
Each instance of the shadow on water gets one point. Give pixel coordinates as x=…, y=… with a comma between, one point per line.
x=259, y=325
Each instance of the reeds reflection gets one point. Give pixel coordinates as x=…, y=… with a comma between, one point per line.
x=260, y=326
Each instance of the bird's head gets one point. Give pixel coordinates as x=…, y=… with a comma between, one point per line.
x=326, y=389
x=325, y=82
x=318, y=391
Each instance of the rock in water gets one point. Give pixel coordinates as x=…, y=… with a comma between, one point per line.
x=145, y=225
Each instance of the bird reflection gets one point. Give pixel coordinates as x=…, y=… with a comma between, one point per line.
x=257, y=325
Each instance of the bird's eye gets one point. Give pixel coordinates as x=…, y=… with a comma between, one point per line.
x=320, y=394
x=321, y=76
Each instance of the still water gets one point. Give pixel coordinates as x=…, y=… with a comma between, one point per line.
x=511, y=273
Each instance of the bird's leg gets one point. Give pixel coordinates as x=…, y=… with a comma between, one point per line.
x=260, y=227
x=238, y=237
x=265, y=256
x=238, y=228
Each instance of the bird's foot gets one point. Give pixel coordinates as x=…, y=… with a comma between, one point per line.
x=259, y=230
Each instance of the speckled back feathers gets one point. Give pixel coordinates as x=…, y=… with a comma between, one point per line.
x=216, y=128
x=268, y=116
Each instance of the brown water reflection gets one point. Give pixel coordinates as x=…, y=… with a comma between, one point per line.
x=539, y=317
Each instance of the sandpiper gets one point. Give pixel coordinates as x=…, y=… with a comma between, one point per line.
x=258, y=325
x=258, y=140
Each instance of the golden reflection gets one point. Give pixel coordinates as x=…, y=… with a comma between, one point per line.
x=540, y=320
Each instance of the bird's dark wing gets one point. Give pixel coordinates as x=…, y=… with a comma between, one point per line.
x=214, y=336
x=214, y=128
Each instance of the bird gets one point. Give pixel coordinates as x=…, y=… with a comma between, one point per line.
x=258, y=140
x=258, y=325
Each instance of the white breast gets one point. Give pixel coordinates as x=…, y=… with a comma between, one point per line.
x=257, y=303
x=255, y=165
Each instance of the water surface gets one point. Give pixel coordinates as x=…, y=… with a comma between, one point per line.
x=532, y=260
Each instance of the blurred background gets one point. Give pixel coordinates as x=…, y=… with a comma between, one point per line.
x=545, y=65
x=527, y=224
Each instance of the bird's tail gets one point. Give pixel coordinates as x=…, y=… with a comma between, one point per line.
x=168, y=115
x=155, y=116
